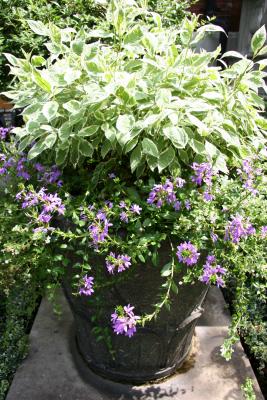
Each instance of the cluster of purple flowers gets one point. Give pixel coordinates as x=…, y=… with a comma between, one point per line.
x=21, y=169
x=119, y=262
x=248, y=175
x=48, y=176
x=212, y=272
x=128, y=211
x=165, y=193
x=3, y=133
x=49, y=202
x=87, y=288
x=238, y=228
x=124, y=321
x=187, y=253
x=203, y=173
x=99, y=229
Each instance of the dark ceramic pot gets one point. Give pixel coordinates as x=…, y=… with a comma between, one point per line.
x=157, y=349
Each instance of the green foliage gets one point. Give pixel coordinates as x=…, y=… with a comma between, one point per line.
x=133, y=91
x=15, y=33
x=172, y=11
x=16, y=311
x=248, y=390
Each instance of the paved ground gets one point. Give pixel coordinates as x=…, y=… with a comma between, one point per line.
x=53, y=370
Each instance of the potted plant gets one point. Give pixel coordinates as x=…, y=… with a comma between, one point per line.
x=155, y=202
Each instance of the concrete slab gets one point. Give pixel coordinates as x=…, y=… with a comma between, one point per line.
x=54, y=370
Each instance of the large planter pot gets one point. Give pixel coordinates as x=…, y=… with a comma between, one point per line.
x=158, y=348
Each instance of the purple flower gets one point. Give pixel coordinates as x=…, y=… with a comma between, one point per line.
x=203, y=173
x=187, y=253
x=3, y=133
x=136, y=209
x=238, y=229
x=112, y=175
x=99, y=229
x=124, y=217
x=87, y=288
x=248, y=175
x=120, y=262
x=39, y=167
x=212, y=273
x=207, y=196
x=177, y=205
x=109, y=204
x=264, y=231
x=45, y=218
x=179, y=182
x=124, y=321
x=122, y=204
x=214, y=237
x=161, y=194
x=187, y=205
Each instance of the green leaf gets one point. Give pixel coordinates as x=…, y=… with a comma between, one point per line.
x=61, y=156
x=41, y=82
x=125, y=123
x=89, y=131
x=106, y=148
x=141, y=258
x=37, y=149
x=50, y=140
x=73, y=106
x=86, y=149
x=135, y=158
x=258, y=40
x=177, y=136
x=197, y=146
x=12, y=59
x=220, y=164
x=174, y=287
x=38, y=27
x=37, y=61
x=166, y=270
x=165, y=158
x=211, y=150
x=50, y=110
x=150, y=148
x=77, y=46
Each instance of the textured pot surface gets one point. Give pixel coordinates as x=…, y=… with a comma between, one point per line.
x=156, y=350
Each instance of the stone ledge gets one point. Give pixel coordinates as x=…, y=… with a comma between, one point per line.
x=54, y=370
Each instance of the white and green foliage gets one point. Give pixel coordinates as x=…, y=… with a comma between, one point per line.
x=134, y=92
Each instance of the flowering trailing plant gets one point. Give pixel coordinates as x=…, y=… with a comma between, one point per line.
x=162, y=159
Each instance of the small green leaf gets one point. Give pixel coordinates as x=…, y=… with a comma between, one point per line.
x=125, y=123
x=166, y=158
x=50, y=110
x=150, y=148
x=135, y=158
x=166, y=270
x=50, y=140
x=61, y=156
x=38, y=27
x=37, y=149
x=86, y=148
x=77, y=46
x=38, y=61
x=177, y=136
x=89, y=131
x=197, y=146
x=73, y=106
x=41, y=82
x=174, y=287
x=258, y=40
x=141, y=258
